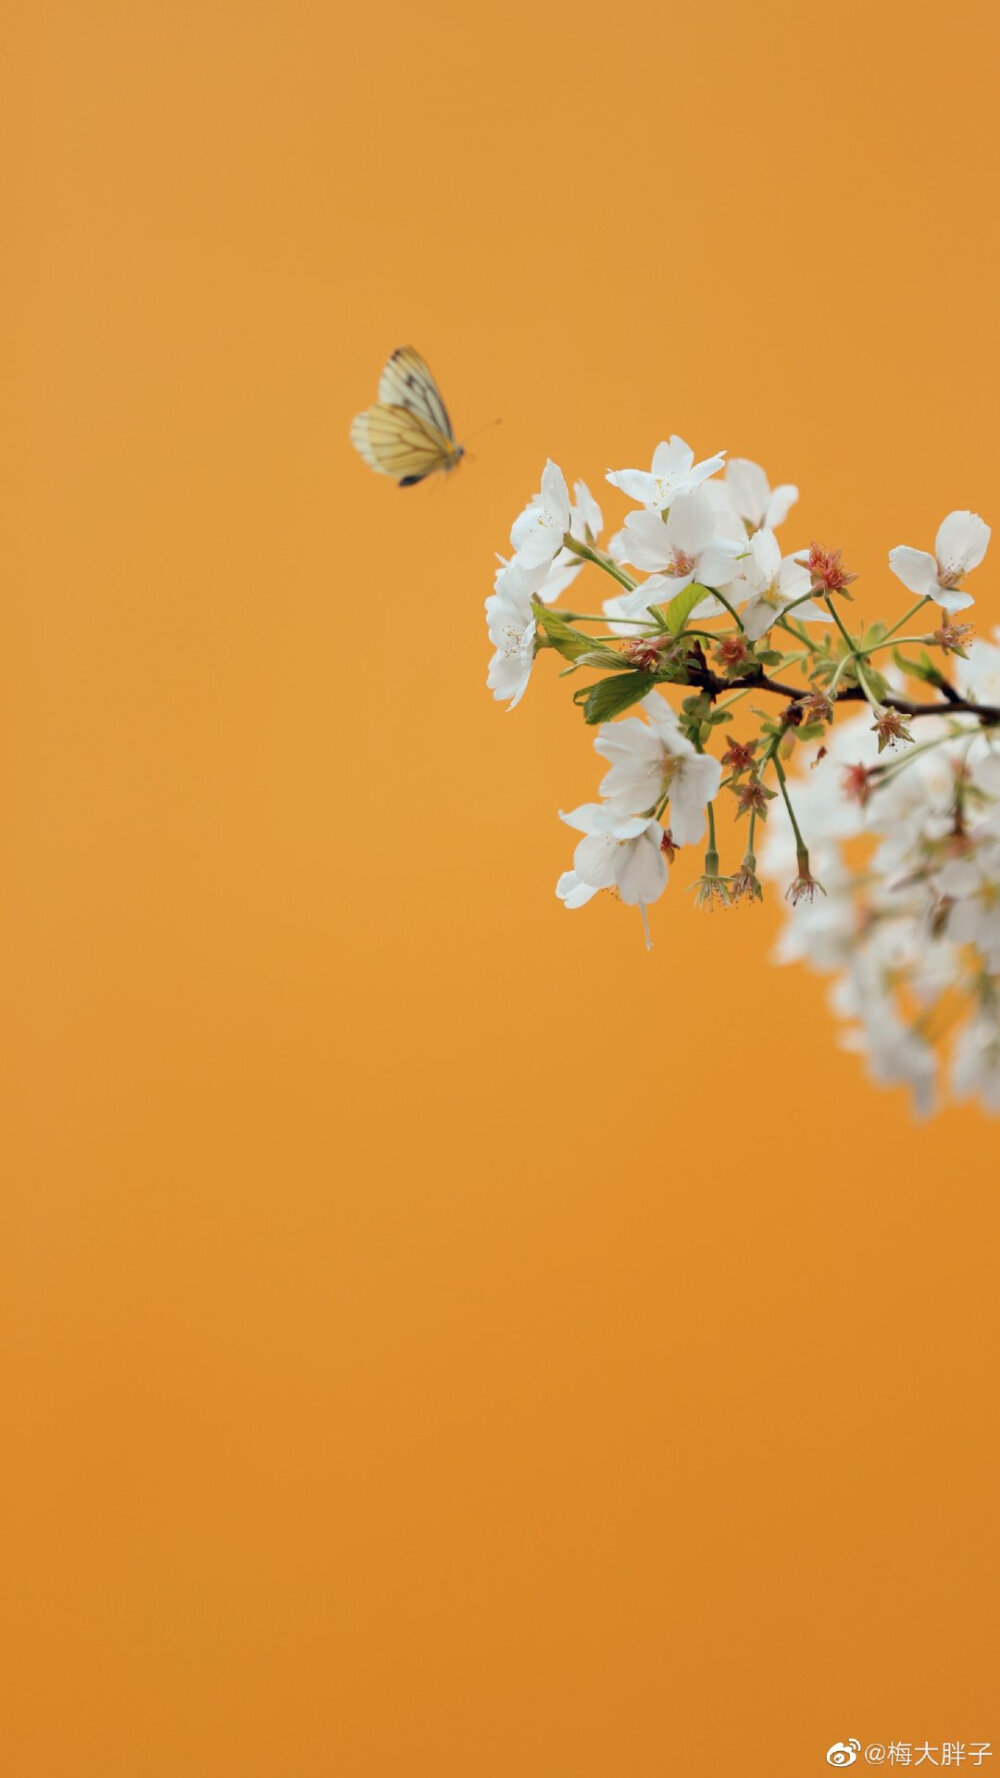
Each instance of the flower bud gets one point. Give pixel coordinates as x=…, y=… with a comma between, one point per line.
x=746, y=885
x=752, y=797
x=646, y=652
x=739, y=756
x=828, y=573
x=952, y=637
x=856, y=783
x=711, y=891
x=732, y=652
x=816, y=707
x=805, y=885
x=890, y=727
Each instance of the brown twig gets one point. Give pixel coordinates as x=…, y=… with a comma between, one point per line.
x=953, y=705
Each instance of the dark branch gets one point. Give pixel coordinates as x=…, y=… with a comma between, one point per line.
x=953, y=705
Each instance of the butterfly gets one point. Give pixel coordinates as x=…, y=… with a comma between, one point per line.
x=407, y=434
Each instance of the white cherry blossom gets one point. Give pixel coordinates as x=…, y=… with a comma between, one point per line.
x=890, y=863
x=617, y=852
x=585, y=524
x=760, y=506
x=510, y=621
x=537, y=534
x=683, y=548
x=652, y=758
x=961, y=544
x=674, y=471
x=774, y=582
x=976, y=1063
x=979, y=675
x=896, y=1053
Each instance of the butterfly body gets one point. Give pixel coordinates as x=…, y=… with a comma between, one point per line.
x=407, y=434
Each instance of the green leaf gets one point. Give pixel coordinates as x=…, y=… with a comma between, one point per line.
x=603, y=657
x=609, y=697
x=680, y=608
x=697, y=708
x=923, y=669
x=570, y=642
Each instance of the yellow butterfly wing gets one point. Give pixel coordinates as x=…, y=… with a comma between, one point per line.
x=407, y=434
x=407, y=382
x=400, y=443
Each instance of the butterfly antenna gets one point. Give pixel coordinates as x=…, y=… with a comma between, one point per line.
x=486, y=427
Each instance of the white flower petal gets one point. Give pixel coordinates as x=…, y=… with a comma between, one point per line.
x=596, y=860
x=572, y=892
x=780, y=504
x=595, y=818
x=510, y=669
x=657, y=590
x=555, y=494
x=702, y=471
x=961, y=542
x=539, y=546
x=646, y=541
x=586, y=819
x=513, y=581
x=764, y=562
x=691, y=524
x=794, y=581
x=559, y=578
x=953, y=599
x=696, y=783
x=672, y=459
x=716, y=564
x=638, y=484
x=526, y=522
x=812, y=613
x=587, y=509
x=634, y=787
x=613, y=738
x=757, y=618
x=748, y=488
x=641, y=875
x=664, y=718
x=915, y=568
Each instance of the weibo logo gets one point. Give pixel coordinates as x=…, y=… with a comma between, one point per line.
x=843, y=1753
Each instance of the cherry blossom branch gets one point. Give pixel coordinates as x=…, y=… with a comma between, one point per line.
x=910, y=888
x=954, y=703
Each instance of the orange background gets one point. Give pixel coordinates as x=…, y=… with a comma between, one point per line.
x=441, y=1338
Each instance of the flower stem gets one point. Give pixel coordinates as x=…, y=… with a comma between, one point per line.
x=802, y=600
x=599, y=617
x=835, y=614
x=734, y=614
x=779, y=768
x=863, y=653
x=891, y=768
x=905, y=618
x=795, y=629
x=856, y=658
x=587, y=554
